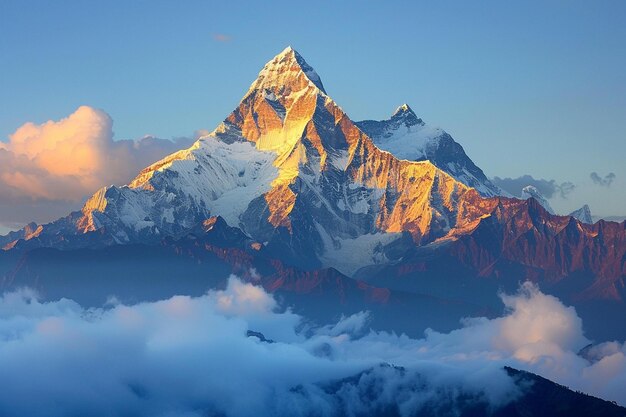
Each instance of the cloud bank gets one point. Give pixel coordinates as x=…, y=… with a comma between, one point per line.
x=191, y=356
x=547, y=188
x=64, y=161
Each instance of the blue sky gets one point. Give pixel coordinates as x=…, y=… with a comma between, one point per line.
x=532, y=87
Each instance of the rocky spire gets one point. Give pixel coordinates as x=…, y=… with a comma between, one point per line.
x=406, y=115
x=287, y=72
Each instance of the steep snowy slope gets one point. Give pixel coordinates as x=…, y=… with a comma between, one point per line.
x=407, y=137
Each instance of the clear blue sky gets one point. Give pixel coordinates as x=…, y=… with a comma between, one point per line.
x=527, y=87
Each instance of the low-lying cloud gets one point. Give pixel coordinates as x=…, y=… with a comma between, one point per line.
x=192, y=356
x=605, y=181
x=64, y=161
x=547, y=188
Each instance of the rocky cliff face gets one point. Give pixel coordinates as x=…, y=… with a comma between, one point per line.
x=549, y=247
x=511, y=241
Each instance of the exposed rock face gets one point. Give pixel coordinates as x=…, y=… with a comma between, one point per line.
x=514, y=240
x=29, y=231
x=558, y=246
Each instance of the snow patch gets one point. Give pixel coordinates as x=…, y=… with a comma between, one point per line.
x=348, y=255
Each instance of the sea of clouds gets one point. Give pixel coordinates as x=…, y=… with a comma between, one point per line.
x=189, y=356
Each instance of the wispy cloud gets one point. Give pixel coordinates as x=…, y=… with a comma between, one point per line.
x=221, y=37
x=605, y=181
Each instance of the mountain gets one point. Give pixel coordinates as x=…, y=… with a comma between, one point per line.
x=203, y=260
x=407, y=137
x=583, y=214
x=292, y=177
x=531, y=191
x=618, y=219
x=537, y=397
x=28, y=232
x=514, y=241
x=291, y=170
x=542, y=397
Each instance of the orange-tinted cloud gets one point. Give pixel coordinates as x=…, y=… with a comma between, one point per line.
x=220, y=37
x=69, y=159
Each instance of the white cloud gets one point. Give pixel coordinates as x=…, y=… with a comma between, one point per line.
x=191, y=356
x=243, y=299
x=62, y=162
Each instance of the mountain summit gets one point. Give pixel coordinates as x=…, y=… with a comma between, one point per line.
x=583, y=214
x=287, y=70
x=405, y=115
x=530, y=191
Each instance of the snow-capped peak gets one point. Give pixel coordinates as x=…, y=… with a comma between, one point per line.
x=583, y=214
x=403, y=108
x=531, y=191
x=405, y=114
x=287, y=70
